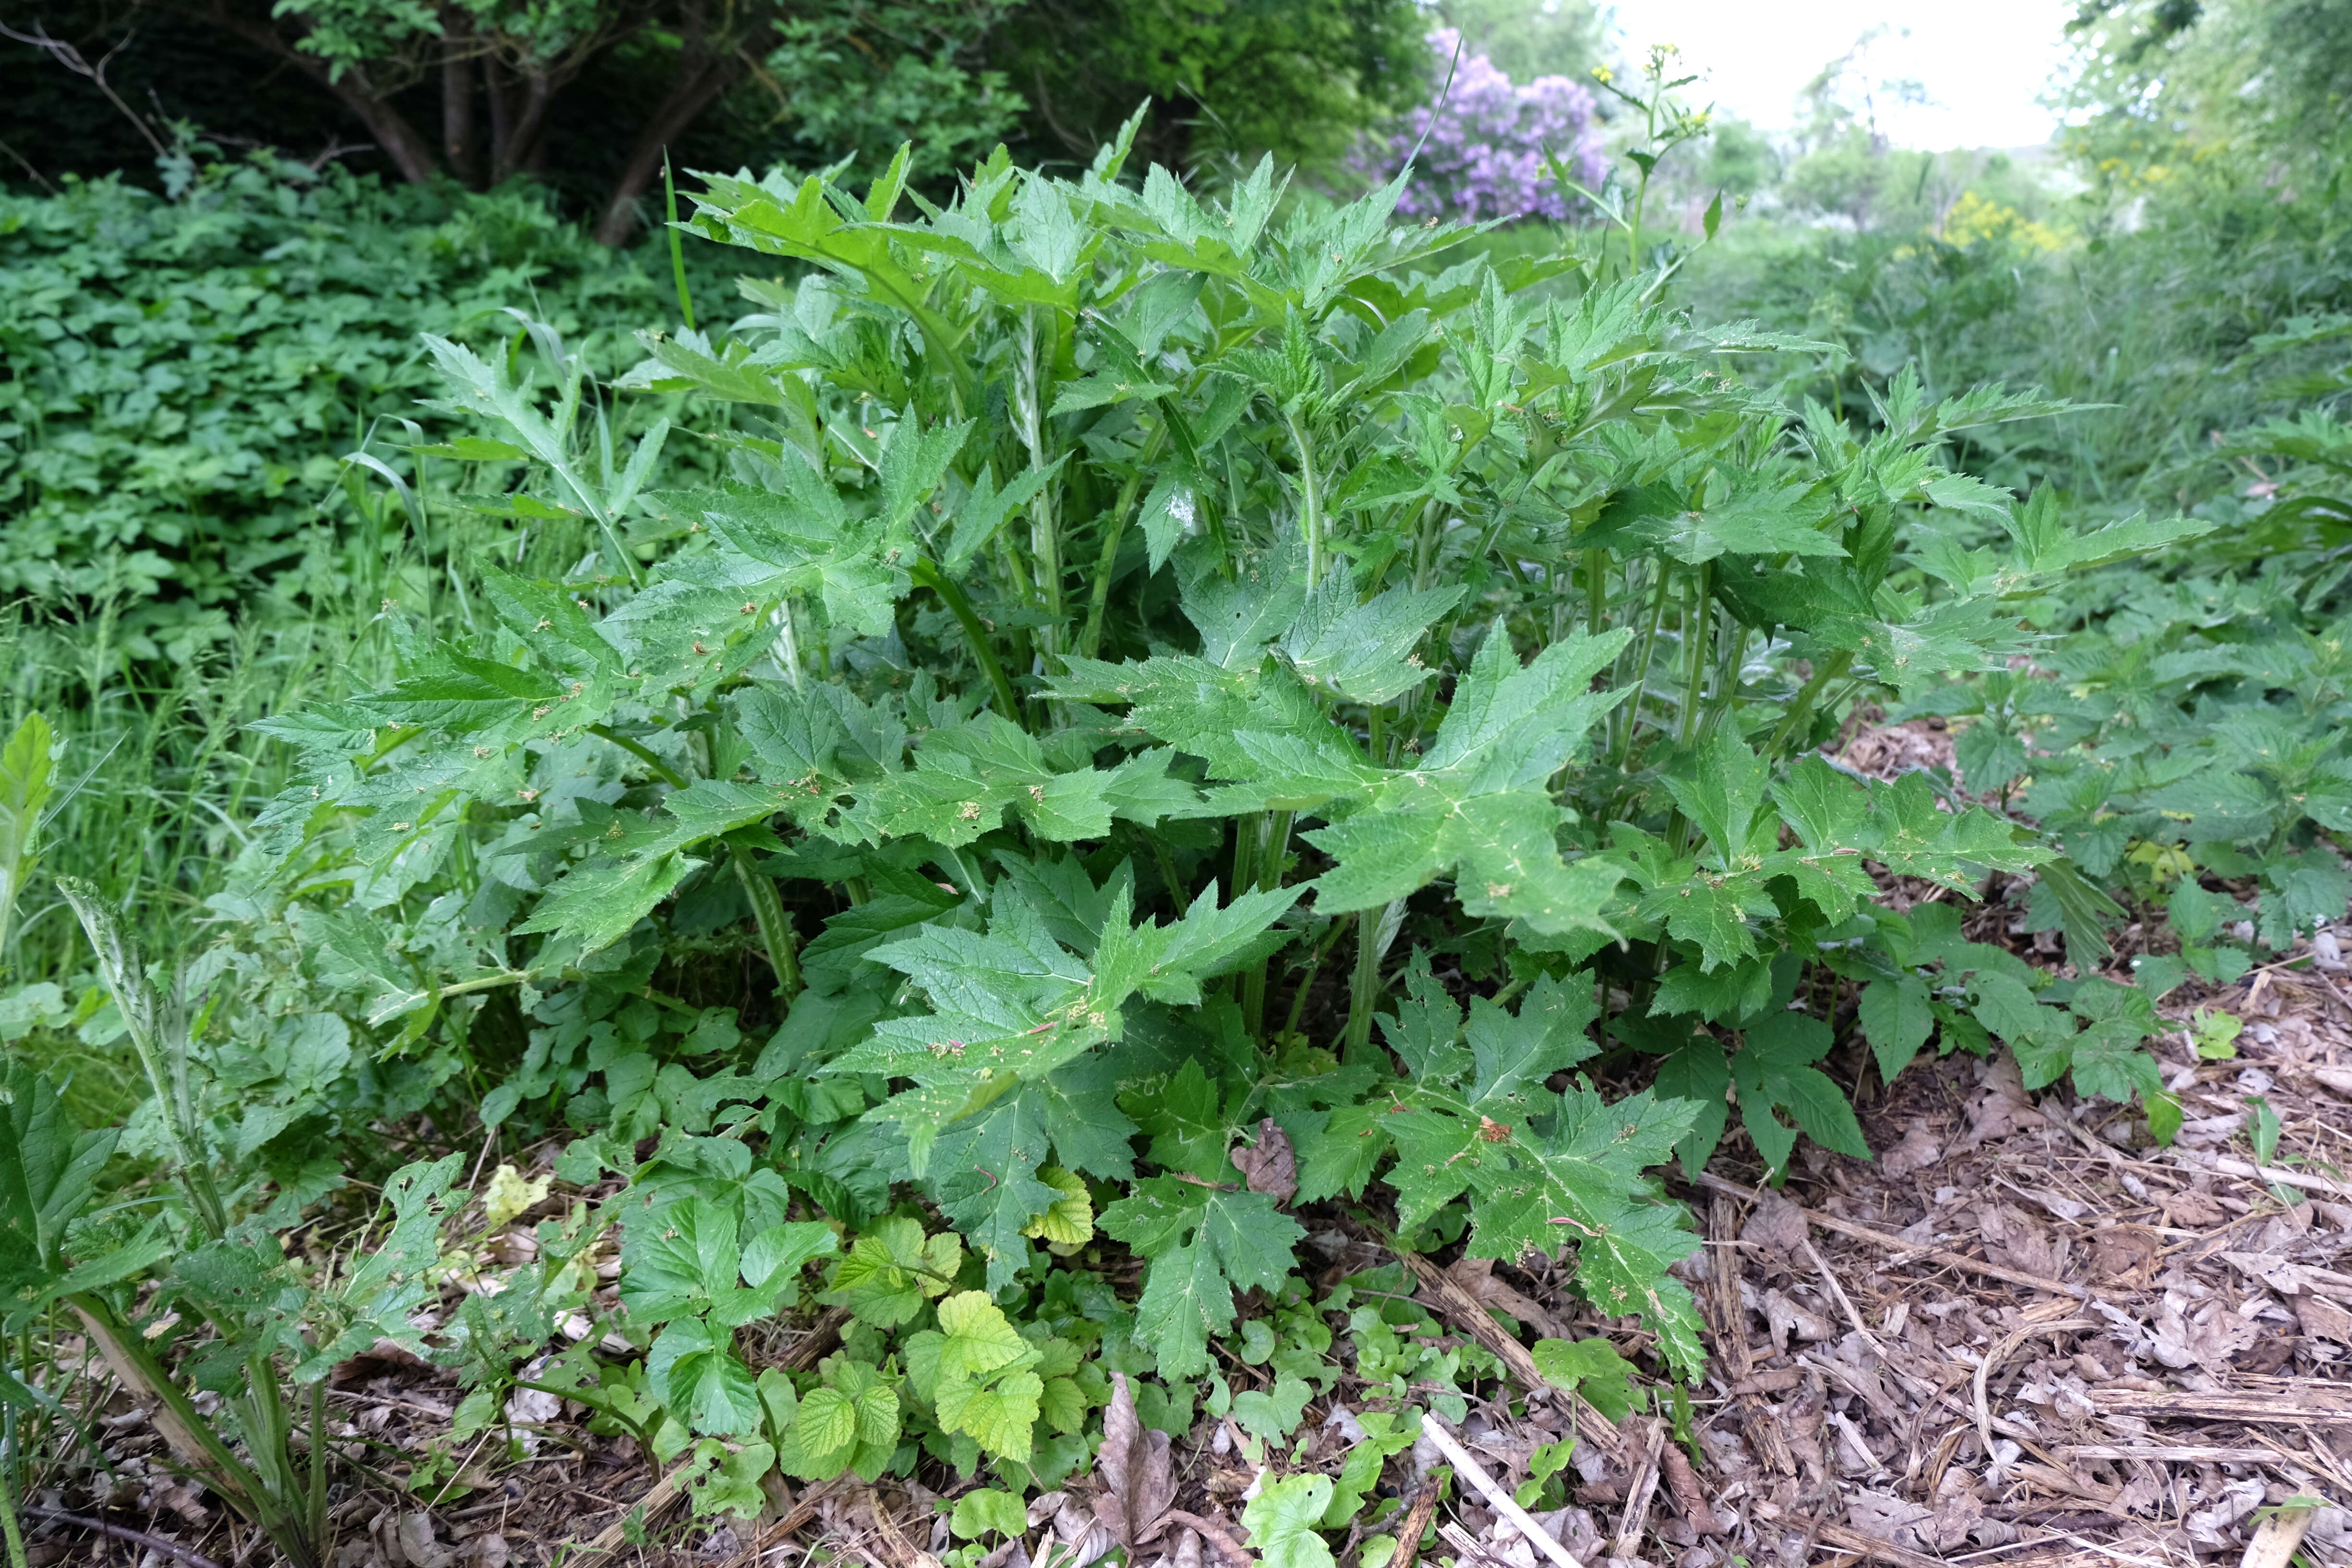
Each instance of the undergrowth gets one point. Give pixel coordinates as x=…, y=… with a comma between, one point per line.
x=1139, y=724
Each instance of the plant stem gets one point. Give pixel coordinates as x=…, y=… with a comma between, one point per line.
x=1727, y=691
x=790, y=638
x=677, y=249
x=1306, y=979
x=1271, y=852
x=320, y=1524
x=1311, y=513
x=930, y=576
x=1364, y=986
x=776, y=927
x=1633, y=709
x=1695, y=622
x=14, y=1531
x=1801, y=706
x=643, y=752
x=188, y=1434
x=1091, y=638
x=1642, y=191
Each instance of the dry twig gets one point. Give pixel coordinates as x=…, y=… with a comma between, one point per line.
x=1897, y=1243
x=1635, y=1520
x=1468, y=1313
x=1501, y=1501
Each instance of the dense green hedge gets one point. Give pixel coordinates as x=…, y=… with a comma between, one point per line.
x=179, y=379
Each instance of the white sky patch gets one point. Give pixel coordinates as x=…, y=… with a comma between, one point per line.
x=1984, y=64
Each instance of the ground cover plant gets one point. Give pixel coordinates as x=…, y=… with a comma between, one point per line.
x=1167, y=722
x=186, y=377
x=1027, y=864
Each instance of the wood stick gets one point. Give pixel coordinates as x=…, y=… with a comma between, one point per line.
x=1870, y=1546
x=657, y=1499
x=156, y=1543
x=2284, y=1178
x=2175, y=1454
x=793, y=1518
x=1877, y=1237
x=1543, y=1539
x=2301, y=1399
x=2274, y=1544
x=1416, y=1522
x=1467, y=1313
x=904, y=1552
x=811, y=1346
x=1466, y=1544
x=1635, y=1521
x=1757, y=1418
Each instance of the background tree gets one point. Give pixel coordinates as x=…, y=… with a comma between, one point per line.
x=2228, y=95
x=1229, y=78
x=585, y=95
x=1531, y=38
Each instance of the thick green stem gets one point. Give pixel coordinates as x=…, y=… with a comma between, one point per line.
x=1633, y=709
x=143, y=1014
x=1364, y=986
x=930, y=576
x=1310, y=499
x=1045, y=546
x=775, y=926
x=14, y=1531
x=1270, y=854
x=1030, y=378
x=1726, y=688
x=1306, y=978
x=767, y=904
x=1091, y=639
x=191, y=1437
x=643, y=752
x=1800, y=708
x=319, y=1522
x=790, y=638
x=1695, y=623
x=484, y=983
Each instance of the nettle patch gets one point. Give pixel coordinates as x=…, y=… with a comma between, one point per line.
x=1186, y=711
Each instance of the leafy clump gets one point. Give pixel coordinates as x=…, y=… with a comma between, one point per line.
x=1172, y=726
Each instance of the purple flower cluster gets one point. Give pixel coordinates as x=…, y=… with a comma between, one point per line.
x=1485, y=154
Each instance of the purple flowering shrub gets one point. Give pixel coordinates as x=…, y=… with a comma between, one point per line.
x=1485, y=154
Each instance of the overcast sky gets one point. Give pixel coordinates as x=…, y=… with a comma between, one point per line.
x=1983, y=63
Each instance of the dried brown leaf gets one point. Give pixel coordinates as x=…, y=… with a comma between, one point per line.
x=2323, y=1318
x=2126, y=1256
x=2001, y=1105
x=1133, y=1473
x=1272, y=1165
x=1477, y=1276
x=2191, y=1210
x=1916, y=1151
x=2207, y=1339
x=1777, y=1222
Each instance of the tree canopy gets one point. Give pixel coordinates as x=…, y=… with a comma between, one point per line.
x=590, y=95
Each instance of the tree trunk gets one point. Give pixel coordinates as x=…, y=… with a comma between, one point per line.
x=458, y=149
x=410, y=151
x=700, y=79
x=500, y=92
x=527, y=123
